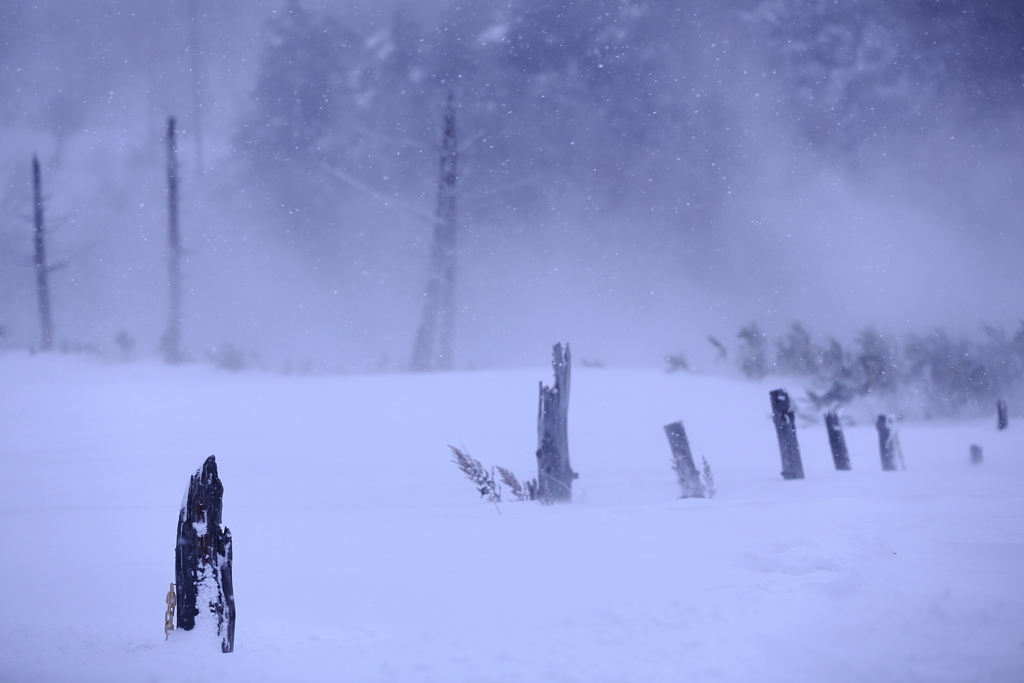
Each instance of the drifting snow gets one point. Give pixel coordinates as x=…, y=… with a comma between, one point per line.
x=363, y=555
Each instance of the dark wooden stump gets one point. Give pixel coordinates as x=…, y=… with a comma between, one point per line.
x=554, y=473
x=202, y=559
x=785, y=429
x=836, y=441
x=976, y=456
x=1002, y=417
x=682, y=462
x=886, y=442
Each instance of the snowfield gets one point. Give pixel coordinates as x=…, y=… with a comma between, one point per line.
x=361, y=554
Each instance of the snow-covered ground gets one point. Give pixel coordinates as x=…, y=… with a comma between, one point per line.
x=361, y=554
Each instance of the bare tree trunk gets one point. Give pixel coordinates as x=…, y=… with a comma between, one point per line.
x=785, y=430
x=434, y=346
x=554, y=473
x=202, y=560
x=886, y=442
x=39, y=260
x=1002, y=416
x=682, y=461
x=172, y=339
x=836, y=441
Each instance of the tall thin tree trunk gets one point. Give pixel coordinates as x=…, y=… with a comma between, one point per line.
x=434, y=346
x=41, y=267
x=172, y=340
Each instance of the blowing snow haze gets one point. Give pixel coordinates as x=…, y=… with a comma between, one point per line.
x=633, y=176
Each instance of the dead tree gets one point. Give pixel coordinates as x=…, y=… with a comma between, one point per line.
x=204, y=591
x=42, y=268
x=554, y=473
x=836, y=441
x=785, y=429
x=172, y=338
x=434, y=345
x=682, y=461
x=886, y=442
x=1002, y=416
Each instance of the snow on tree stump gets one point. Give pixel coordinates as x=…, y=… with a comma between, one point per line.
x=785, y=429
x=1002, y=417
x=682, y=461
x=886, y=442
x=554, y=473
x=976, y=456
x=202, y=559
x=836, y=441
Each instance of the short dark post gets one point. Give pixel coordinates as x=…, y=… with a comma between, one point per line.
x=202, y=559
x=682, y=461
x=1002, y=418
x=886, y=442
x=836, y=440
x=785, y=429
x=976, y=456
x=554, y=474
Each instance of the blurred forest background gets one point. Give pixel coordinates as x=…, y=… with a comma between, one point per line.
x=634, y=175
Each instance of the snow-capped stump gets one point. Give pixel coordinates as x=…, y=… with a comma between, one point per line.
x=785, y=429
x=836, y=441
x=554, y=473
x=682, y=461
x=1002, y=416
x=202, y=559
x=976, y=455
x=887, y=441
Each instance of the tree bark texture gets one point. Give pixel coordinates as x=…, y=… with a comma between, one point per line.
x=690, y=485
x=1002, y=415
x=435, y=337
x=785, y=429
x=172, y=339
x=836, y=441
x=886, y=442
x=202, y=559
x=554, y=473
x=42, y=268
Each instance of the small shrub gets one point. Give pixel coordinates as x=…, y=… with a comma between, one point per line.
x=475, y=472
x=520, y=491
x=708, y=479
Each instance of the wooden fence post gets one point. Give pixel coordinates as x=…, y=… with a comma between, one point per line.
x=785, y=429
x=886, y=442
x=554, y=473
x=202, y=558
x=682, y=461
x=836, y=441
x=1002, y=417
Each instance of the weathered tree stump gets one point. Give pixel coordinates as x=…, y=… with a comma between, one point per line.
x=202, y=559
x=886, y=442
x=785, y=429
x=1002, y=417
x=976, y=456
x=682, y=461
x=554, y=473
x=836, y=441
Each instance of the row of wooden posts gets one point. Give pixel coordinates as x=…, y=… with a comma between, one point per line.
x=888, y=440
x=203, y=588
